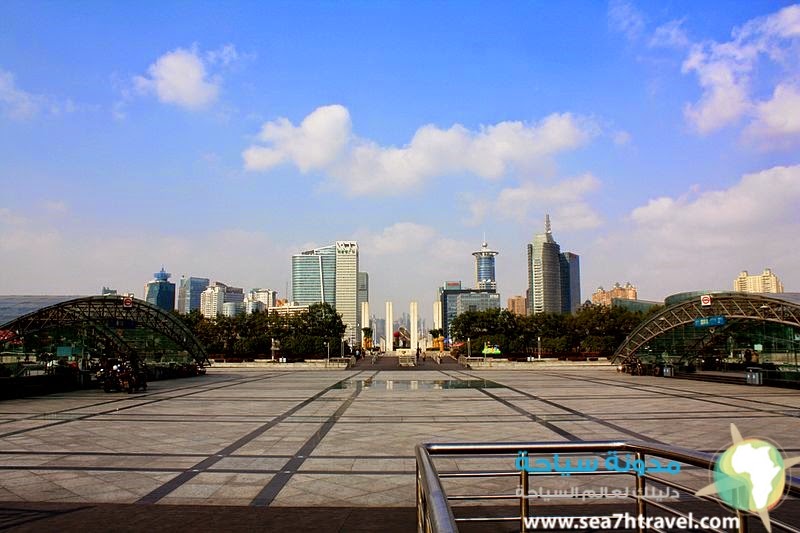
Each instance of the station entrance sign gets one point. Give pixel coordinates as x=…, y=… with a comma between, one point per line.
x=709, y=321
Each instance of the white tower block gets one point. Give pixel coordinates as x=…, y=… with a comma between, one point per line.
x=389, y=332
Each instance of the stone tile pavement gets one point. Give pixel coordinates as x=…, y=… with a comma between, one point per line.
x=345, y=439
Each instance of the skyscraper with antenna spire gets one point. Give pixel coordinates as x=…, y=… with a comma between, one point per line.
x=484, y=267
x=553, y=277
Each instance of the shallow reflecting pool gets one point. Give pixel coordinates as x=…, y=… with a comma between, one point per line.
x=417, y=384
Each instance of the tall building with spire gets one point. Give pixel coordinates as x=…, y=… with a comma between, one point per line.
x=160, y=292
x=553, y=277
x=484, y=267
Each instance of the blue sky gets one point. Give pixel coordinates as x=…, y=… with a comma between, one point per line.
x=218, y=139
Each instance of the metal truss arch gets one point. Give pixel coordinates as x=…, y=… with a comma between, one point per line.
x=734, y=306
x=100, y=314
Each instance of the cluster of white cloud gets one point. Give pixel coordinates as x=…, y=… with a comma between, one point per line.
x=184, y=77
x=702, y=239
x=18, y=104
x=565, y=200
x=724, y=71
x=179, y=77
x=625, y=18
x=15, y=102
x=324, y=142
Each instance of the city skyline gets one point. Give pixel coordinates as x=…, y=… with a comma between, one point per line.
x=662, y=139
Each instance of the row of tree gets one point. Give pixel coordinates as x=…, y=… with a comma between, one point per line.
x=304, y=335
x=594, y=330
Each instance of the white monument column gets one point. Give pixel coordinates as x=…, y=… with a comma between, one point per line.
x=364, y=320
x=389, y=332
x=414, y=334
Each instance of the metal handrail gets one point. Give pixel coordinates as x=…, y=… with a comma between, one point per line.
x=434, y=513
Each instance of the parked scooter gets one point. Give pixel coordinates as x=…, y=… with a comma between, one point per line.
x=124, y=377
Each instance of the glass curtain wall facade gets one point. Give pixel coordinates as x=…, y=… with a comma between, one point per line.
x=484, y=268
x=189, y=292
x=161, y=292
x=570, y=282
x=544, y=273
x=314, y=276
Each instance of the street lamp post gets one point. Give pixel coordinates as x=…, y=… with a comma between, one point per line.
x=469, y=348
x=328, y=346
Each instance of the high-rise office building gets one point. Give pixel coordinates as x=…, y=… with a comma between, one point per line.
x=764, y=282
x=570, y=282
x=213, y=299
x=347, y=288
x=484, y=268
x=553, y=277
x=454, y=300
x=363, y=298
x=160, y=292
x=189, y=291
x=330, y=275
x=314, y=276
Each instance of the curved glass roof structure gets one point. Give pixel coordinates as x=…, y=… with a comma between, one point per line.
x=102, y=326
x=718, y=324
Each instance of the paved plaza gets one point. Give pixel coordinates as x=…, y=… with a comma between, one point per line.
x=341, y=439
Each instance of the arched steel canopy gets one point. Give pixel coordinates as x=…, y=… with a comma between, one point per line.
x=733, y=306
x=101, y=315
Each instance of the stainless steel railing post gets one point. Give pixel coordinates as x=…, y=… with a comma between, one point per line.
x=744, y=526
x=641, y=504
x=524, y=505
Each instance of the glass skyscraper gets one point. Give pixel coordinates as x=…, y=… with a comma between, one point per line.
x=553, y=277
x=189, y=292
x=484, y=268
x=330, y=275
x=160, y=292
x=314, y=276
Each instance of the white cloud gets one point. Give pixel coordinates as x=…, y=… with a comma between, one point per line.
x=778, y=116
x=324, y=142
x=670, y=35
x=701, y=240
x=725, y=73
x=313, y=145
x=225, y=55
x=179, y=77
x=406, y=261
x=15, y=102
x=625, y=18
x=621, y=138
x=565, y=200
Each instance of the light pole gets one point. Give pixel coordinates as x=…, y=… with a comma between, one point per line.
x=539, y=346
x=328, y=346
x=469, y=348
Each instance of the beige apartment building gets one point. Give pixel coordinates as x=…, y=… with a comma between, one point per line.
x=764, y=282
x=604, y=297
x=517, y=305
